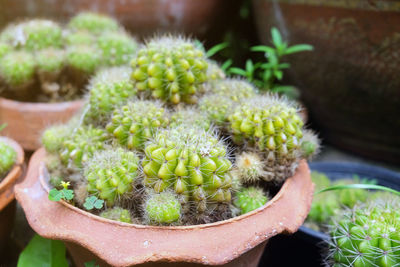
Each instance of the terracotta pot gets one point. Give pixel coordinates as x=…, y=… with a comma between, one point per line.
x=350, y=82
x=7, y=203
x=235, y=242
x=142, y=17
x=26, y=121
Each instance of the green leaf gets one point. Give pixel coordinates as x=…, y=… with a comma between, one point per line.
x=216, y=48
x=263, y=48
x=43, y=252
x=290, y=91
x=68, y=194
x=226, y=65
x=55, y=195
x=278, y=74
x=199, y=44
x=359, y=186
x=93, y=202
x=91, y=264
x=249, y=66
x=298, y=48
x=284, y=66
x=276, y=37
x=238, y=71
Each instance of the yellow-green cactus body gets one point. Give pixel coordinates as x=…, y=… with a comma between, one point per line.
x=4, y=49
x=171, y=69
x=190, y=117
x=214, y=72
x=50, y=60
x=117, y=214
x=217, y=107
x=17, y=68
x=8, y=156
x=117, y=48
x=83, y=58
x=79, y=38
x=54, y=137
x=236, y=89
x=110, y=174
x=192, y=162
x=136, y=122
x=249, y=199
x=162, y=208
x=93, y=23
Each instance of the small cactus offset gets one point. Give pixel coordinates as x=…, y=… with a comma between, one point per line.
x=190, y=117
x=117, y=214
x=236, y=89
x=8, y=156
x=367, y=236
x=111, y=173
x=81, y=145
x=17, y=69
x=250, y=198
x=83, y=58
x=171, y=69
x=162, y=208
x=217, y=107
x=108, y=89
x=136, y=122
x=249, y=167
x=116, y=48
x=79, y=38
x=192, y=162
x=54, y=137
x=214, y=72
x=93, y=23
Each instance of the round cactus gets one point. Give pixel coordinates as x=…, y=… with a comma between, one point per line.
x=54, y=137
x=4, y=49
x=79, y=147
x=217, y=107
x=249, y=199
x=250, y=167
x=110, y=174
x=83, y=58
x=117, y=48
x=93, y=23
x=271, y=125
x=162, y=208
x=190, y=116
x=108, y=89
x=214, y=72
x=79, y=38
x=191, y=161
x=117, y=214
x=350, y=197
x=310, y=144
x=236, y=89
x=134, y=123
x=17, y=68
x=50, y=60
x=367, y=236
x=172, y=69
x=8, y=156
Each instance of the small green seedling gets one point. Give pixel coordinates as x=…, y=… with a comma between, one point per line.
x=64, y=193
x=93, y=202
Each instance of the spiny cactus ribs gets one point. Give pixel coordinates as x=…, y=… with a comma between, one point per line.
x=8, y=157
x=192, y=162
x=171, y=69
x=190, y=117
x=249, y=199
x=117, y=48
x=117, y=214
x=110, y=174
x=93, y=23
x=162, y=208
x=136, y=122
x=17, y=68
x=367, y=236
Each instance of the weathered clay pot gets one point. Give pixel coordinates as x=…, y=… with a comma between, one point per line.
x=26, y=121
x=7, y=203
x=350, y=82
x=142, y=17
x=234, y=242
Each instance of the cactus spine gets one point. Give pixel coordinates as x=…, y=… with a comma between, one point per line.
x=249, y=199
x=162, y=208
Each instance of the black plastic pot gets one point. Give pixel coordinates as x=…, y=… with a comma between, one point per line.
x=306, y=246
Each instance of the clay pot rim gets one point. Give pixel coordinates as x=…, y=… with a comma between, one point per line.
x=34, y=105
x=15, y=172
x=43, y=178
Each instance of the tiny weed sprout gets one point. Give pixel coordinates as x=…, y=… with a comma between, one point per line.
x=62, y=194
x=93, y=202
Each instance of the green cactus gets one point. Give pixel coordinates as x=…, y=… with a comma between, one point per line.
x=310, y=145
x=191, y=161
x=250, y=167
x=134, y=123
x=169, y=68
x=117, y=48
x=50, y=60
x=93, y=23
x=217, y=107
x=8, y=156
x=83, y=58
x=117, y=214
x=111, y=173
x=214, y=72
x=368, y=235
x=190, y=116
x=17, y=68
x=162, y=208
x=249, y=199
x=79, y=38
x=54, y=137
x=108, y=89
x=4, y=49
x=350, y=197
x=271, y=125
x=236, y=89
x=80, y=146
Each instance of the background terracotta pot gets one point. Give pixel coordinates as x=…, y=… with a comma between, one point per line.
x=7, y=203
x=142, y=17
x=235, y=242
x=350, y=82
x=26, y=121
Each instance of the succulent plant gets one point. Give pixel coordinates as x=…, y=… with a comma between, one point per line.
x=117, y=214
x=93, y=23
x=249, y=199
x=350, y=197
x=8, y=156
x=111, y=173
x=80, y=146
x=214, y=72
x=50, y=60
x=162, y=208
x=54, y=137
x=4, y=49
x=271, y=125
x=79, y=38
x=134, y=123
x=170, y=68
x=249, y=167
x=368, y=235
x=83, y=58
x=236, y=89
x=190, y=116
x=108, y=89
x=17, y=68
x=192, y=162
x=117, y=48
x=217, y=107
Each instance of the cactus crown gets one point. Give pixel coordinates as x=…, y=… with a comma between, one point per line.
x=117, y=48
x=162, y=208
x=83, y=58
x=235, y=89
x=250, y=198
x=17, y=68
x=93, y=23
x=50, y=60
x=8, y=156
x=190, y=116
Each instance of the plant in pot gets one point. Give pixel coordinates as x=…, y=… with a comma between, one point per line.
x=11, y=168
x=44, y=69
x=150, y=159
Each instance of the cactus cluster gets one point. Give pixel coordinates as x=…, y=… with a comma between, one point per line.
x=8, y=156
x=368, y=235
x=154, y=154
x=41, y=54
